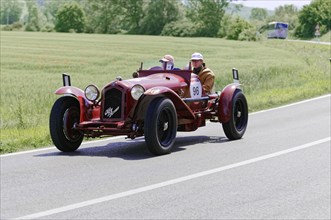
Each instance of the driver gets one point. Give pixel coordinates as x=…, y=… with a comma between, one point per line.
x=168, y=62
x=205, y=74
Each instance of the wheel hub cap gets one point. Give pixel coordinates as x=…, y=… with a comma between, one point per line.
x=165, y=126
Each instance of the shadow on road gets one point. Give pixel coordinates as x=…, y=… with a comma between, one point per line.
x=133, y=149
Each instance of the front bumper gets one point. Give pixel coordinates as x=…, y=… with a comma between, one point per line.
x=101, y=128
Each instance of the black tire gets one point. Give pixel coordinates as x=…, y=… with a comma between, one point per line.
x=235, y=128
x=160, y=126
x=64, y=114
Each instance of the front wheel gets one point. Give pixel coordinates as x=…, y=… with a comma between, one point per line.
x=64, y=115
x=160, y=126
x=235, y=128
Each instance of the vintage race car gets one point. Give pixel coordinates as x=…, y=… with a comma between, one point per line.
x=155, y=103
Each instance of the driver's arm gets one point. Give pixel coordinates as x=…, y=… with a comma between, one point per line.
x=207, y=81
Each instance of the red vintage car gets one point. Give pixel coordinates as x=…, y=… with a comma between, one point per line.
x=155, y=103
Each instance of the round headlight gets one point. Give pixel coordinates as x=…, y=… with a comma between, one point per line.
x=92, y=93
x=137, y=91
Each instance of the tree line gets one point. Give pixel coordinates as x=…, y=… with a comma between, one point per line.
x=189, y=18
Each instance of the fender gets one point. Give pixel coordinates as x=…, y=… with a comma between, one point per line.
x=225, y=102
x=77, y=93
x=158, y=90
x=182, y=109
x=71, y=90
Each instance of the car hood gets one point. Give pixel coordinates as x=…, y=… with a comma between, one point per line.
x=158, y=79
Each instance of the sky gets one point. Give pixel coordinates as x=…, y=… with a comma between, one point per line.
x=271, y=4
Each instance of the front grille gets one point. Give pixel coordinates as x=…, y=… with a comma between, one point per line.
x=112, y=107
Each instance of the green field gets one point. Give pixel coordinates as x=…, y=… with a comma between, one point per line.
x=273, y=72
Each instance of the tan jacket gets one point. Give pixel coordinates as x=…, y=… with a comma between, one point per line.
x=207, y=78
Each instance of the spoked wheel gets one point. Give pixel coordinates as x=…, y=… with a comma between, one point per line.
x=235, y=128
x=160, y=126
x=64, y=115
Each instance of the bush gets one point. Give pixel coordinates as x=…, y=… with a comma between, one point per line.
x=48, y=28
x=181, y=28
x=7, y=28
x=12, y=27
x=31, y=27
x=17, y=25
x=237, y=27
x=249, y=35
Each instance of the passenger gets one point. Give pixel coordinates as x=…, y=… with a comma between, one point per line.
x=168, y=62
x=205, y=74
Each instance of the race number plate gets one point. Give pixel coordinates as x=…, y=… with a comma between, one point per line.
x=196, y=89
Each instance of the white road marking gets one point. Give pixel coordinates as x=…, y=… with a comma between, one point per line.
x=117, y=137
x=292, y=104
x=170, y=182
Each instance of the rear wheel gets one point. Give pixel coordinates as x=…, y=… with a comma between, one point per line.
x=65, y=114
x=160, y=126
x=235, y=128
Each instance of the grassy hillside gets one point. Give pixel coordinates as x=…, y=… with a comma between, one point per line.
x=273, y=72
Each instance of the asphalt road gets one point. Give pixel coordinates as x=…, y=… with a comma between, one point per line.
x=279, y=170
